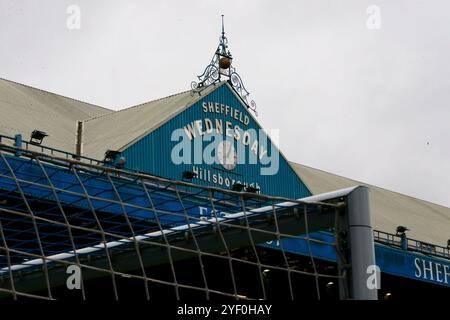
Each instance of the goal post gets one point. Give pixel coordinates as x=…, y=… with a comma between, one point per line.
x=354, y=241
x=110, y=222
x=362, y=249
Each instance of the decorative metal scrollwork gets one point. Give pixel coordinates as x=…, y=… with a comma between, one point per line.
x=209, y=76
x=220, y=67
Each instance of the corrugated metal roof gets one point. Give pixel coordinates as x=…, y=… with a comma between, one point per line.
x=428, y=222
x=116, y=131
x=24, y=109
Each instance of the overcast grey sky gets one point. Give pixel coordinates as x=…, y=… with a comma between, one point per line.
x=369, y=104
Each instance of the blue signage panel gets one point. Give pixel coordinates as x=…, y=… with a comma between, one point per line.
x=391, y=260
x=221, y=142
x=413, y=265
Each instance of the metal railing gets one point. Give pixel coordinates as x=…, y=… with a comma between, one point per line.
x=27, y=145
x=411, y=244
x=379, y=236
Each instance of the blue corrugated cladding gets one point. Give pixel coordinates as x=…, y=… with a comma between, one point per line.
x=152, y=153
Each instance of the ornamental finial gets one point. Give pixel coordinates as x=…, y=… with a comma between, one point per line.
x=221, y=68
x=223, y=28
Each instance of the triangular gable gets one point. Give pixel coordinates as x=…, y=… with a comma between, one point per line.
x=120, y=129
x=154, y=153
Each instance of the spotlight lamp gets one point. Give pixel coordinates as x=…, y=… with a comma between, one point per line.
x=238, y=187
x=401, y=230
x=37, y=137
x=252, y=189
x=188, y=175
x=110, y=156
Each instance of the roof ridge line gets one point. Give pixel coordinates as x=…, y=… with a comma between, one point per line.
x=372, y=185
x=135, y=106
x=184, y=107
x=53, y=93
x=155, y=100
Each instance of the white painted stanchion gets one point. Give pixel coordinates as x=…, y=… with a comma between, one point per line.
x=362, y=252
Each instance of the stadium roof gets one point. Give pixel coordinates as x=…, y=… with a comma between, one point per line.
x=25, y=108
x=428, y=222
x=117, y=130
